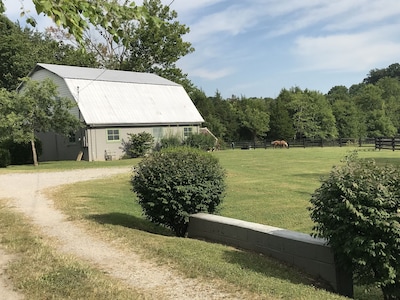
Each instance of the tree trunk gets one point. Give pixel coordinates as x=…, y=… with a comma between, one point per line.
x=34, y=154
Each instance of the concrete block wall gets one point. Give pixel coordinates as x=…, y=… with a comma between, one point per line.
x=310, y=254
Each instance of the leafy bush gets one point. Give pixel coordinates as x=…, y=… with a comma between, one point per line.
x=170, y=141
x=201, y=141
x=21, y=153
x=357, y=209
x=5, y=158
x=138, y=144
x=177, y=182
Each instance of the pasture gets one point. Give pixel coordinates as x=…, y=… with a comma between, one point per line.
x=274, y=186
x=268, y=186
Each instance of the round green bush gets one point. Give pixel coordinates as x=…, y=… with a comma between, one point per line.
x=176, y=182
x=357, y=209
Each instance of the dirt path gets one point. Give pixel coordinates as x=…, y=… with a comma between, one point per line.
x=158, y=282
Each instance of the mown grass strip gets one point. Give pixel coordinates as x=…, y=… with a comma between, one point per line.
x=67, y=165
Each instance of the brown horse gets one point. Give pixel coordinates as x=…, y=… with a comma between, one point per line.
x=281, y=144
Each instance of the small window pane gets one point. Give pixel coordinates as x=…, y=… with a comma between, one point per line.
x=113, y=134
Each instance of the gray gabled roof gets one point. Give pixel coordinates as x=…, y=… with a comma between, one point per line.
x=122, y=98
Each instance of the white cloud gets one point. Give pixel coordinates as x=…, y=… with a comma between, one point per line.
x=231, y=21
x=210, y=74
x=347, y=52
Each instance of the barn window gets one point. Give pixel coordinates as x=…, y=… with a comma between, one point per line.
x=112, y=135
x=187, y=131
x=158, y=133
x=72, y=138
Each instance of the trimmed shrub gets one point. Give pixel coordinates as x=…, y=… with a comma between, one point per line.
x=176, y=182
x=5, y=158
x=138, y=145
x=357, y=209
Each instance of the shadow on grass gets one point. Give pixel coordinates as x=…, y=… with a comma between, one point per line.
x=270, y=267
x=311, y=175
x=387, y=161
x=129, y=221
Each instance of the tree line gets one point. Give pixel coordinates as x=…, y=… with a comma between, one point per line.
x=154, y=43
x=365, y=110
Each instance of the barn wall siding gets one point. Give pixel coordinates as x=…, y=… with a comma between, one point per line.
x=98, y=144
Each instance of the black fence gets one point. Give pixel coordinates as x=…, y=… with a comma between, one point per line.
x=388, y=143
x=306, y=143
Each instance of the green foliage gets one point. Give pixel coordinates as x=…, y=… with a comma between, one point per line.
x=170, y=141
x=357, y=209
x=156, y=46
x=77, y=15
x=311, y=113
x=22, y=48
x=138, y=145
x=174, y=183
x=21, y=152
x=281, y=125
x=5, y=158
x=349, y=120
x=253, y=116
x=37, y=108
x=392, y=71
x=148, y=40
x=200, y=141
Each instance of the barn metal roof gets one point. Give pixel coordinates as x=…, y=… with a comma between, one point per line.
x=109, y=97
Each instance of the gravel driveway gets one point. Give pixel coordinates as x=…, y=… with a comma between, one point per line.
x=158, y=282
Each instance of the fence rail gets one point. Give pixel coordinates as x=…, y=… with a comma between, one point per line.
x=388, y=143
x=305, y=143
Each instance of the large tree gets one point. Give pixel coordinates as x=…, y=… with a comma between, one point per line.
x=155, y=47
x=151, y=44
x=22, y=48
x=253, y=116
x=349, y=120
x=281, y=125
x=311, y=113
x=369, y=100
x=391, y=96
x=37, y=108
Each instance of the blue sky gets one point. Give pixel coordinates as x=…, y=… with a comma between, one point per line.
x=255, y=48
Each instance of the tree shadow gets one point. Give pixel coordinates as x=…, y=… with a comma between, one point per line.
x=129, y=221
x=387, y=161
x=270, y=267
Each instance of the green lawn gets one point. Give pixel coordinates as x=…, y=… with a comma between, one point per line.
x=266, y=186
x=67, y=165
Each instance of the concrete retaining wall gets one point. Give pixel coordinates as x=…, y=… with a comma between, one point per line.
x=311, y=255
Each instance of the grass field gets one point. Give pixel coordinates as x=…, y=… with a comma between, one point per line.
x=266, y=186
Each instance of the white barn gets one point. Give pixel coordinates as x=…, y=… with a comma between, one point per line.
x=112, y=104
